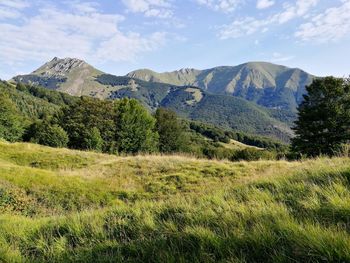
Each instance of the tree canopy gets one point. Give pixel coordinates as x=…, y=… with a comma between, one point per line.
x=171, y=136
x=135, y=128
x=323, y=125
x=11, y=123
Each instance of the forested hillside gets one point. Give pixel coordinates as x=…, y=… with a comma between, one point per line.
x=57, y=119
x=223, y=96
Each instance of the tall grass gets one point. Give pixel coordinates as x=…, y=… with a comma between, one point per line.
x=70, y=206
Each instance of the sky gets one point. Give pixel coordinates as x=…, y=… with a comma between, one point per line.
x=118, y=36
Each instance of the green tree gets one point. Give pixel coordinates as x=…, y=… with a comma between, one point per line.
x=11, y=122
x=171, y=135
x=82, y=119
x=93, y=140
x=324, y=118
x=135, y=128
x=45, y=133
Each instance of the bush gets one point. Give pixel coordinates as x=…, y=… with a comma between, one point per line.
x=47, y=134
x=93, y=140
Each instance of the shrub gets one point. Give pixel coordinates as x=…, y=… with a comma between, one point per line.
x=47, y=134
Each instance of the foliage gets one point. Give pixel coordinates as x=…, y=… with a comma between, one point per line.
x=170, y=130
x=11, y=123
x=228, y=112
x=51, y=96
x=222, y=135
x=86, y=121
x=93, y=140
x=91, y=124
x=251, y=154
x=135, y=128
x=45, y=133
x=223, y=111
x=324, y=118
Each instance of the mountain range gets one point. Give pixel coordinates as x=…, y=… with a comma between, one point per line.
x=255, y=97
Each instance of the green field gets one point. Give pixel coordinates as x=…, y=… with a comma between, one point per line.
x=59, y=205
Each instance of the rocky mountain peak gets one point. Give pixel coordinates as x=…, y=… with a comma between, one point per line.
x=60, y=67
x=186, y=70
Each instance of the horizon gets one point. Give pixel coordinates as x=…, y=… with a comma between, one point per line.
x=166, y=36
x=170, y=71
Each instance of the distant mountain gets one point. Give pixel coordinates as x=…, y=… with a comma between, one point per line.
x=196, y=104
x=267, y=84
x=70, y=75
x=212, y=102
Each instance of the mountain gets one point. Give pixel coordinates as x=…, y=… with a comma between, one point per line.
x=78, y=78
x=267, y=84
x=69, y=75
x=28, y=104
x=193, y=103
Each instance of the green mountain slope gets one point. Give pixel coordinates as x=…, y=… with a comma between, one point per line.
x=76, y=77
x=228, y=112
x=267, y=84
x=34, y=102
x=196, y=104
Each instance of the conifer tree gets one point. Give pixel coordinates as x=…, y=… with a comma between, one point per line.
x=324, y=118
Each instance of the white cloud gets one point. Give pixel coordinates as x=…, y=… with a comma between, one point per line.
x=278, y=57
x=225, y=6
x=86, y=7
x=250, y=25
x=10, y=9
x=16, y=4
x=331, y=25
x=90, y=35
x=7, y=13
x=262, y=4
x=150, y=8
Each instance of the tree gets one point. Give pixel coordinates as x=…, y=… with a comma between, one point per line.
x=11, y=122
x=45, y=133
x=93, y=140
x=171, y=136
x=323, y=124
x=87, y=118
x=135, y=128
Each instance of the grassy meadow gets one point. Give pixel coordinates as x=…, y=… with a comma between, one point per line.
x=59, y=205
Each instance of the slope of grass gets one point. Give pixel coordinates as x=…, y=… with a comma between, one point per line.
x=58, y=205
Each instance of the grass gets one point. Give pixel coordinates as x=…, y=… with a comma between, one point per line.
x=58, y=205
x=236, y=145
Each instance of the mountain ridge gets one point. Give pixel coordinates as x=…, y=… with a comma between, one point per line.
x=239, y=98
x=265, y=83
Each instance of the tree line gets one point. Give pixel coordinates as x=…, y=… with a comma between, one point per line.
x=122, y=126
x=126, y=127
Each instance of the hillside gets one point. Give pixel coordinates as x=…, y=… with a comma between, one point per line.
x=30, y=105
x=190, y=102
x=59, y=205
x=78, y=78
x=267, y=84
x=33, y=102
x=69, y=75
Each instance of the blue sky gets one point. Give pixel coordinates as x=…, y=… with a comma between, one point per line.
x=165, y=35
